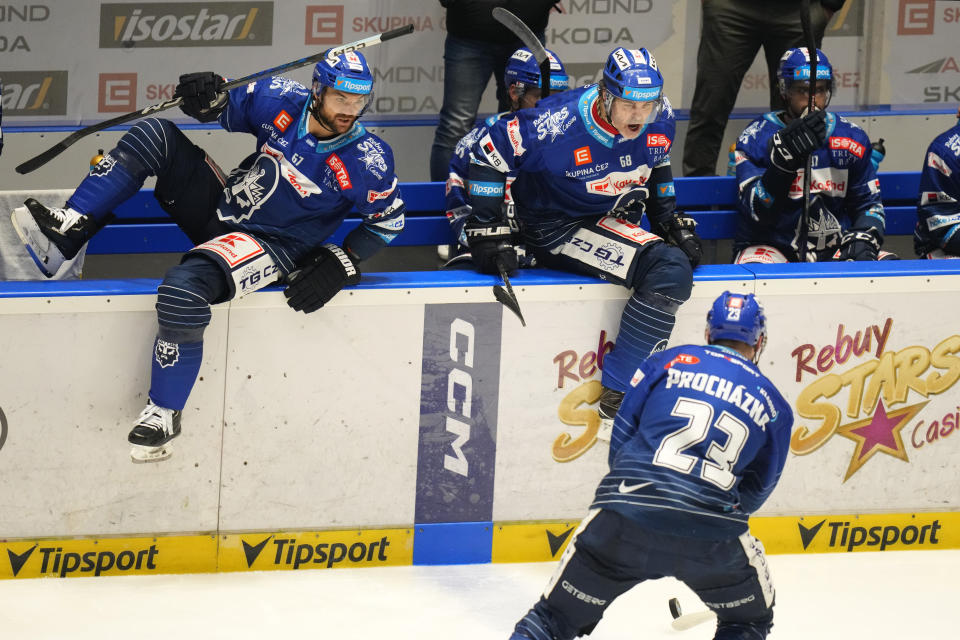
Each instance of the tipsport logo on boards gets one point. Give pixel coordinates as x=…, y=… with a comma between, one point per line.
x=107, y=556
x=852, y=533
x=186, y=24
x=315, y=550
x=876, y=398
x=34, y=93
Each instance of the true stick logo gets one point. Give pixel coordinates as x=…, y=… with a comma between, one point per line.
x=846, y=536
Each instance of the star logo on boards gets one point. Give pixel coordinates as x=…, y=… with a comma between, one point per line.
x=880, y=433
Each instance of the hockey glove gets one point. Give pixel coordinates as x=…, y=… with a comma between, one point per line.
x=202, y=99
x=680, y=231
x=313, y=286
x=490, y=243
x=858, y=245
x=793, y=143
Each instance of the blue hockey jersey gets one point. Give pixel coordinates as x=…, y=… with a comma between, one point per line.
x=844, y=190
x=698, y=445
x=295, y=190
x=571, y=164
x=938, y=207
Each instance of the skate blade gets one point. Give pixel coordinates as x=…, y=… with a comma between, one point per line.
x=140, y=453
x=30, y=235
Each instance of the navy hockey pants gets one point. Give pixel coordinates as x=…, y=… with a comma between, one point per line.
x=610, y=554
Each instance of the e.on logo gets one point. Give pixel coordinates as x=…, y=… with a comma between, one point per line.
x=117, y=92
x=324, y=24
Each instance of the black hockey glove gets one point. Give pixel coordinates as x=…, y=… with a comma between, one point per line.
x=680, y=231
x=793, y=143
x=858, y=245
x=202, y=98
x=490, y=243
x=313, y=286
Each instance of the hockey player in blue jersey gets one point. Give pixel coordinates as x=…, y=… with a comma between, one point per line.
x=524, y=88
x=937, y=234
x=698, y=446
x=588, y=164
x=846, y=214
x=266, y=221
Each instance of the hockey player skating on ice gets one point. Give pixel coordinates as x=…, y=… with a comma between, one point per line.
x=937, y=234
x=589, y=163
x=524, y=86
x=267, y=220
x=698, y=445
x=846, y=215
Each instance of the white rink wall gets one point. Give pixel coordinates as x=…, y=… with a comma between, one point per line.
x=414, y=398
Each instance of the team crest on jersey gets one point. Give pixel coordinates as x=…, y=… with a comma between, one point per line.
x=103, y=167
x=553, y=124
x=166, y=353
x=372, y=158
x=750, y=132
x=247, y=190
x=286, y=85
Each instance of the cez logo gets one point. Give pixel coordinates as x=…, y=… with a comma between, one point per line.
x=916, y=17
x=324, y=24
x=117, y=92
x=186, y=24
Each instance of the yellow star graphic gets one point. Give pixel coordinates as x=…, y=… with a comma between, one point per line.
x=880, y=432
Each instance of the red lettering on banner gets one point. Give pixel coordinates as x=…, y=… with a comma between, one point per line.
x=582, y=156
x=657, y=140
x=340, y=171
x=847, y=144
x=324, y=24
x=283, y=120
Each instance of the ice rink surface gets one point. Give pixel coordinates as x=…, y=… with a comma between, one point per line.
x=902, y=595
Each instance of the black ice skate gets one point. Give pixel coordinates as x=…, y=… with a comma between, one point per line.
x=152, y=433
x=609, y=405
x=51, y=236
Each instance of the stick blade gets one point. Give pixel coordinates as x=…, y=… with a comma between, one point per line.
x=38, y=161
x=691, y=620
x=509, y=301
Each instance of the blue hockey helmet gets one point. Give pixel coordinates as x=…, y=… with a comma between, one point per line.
x=795, y=67
x=632, y=74
x=522, y=69
x=348, y=73
x=737, y=316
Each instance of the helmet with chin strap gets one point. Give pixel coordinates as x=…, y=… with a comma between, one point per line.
x=632, y=75
x=348, y=73
x=795, y=67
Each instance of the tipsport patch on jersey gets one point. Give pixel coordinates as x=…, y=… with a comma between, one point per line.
x=602, y=253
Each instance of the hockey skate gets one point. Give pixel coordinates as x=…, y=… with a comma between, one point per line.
x=152, y=433
x=609, y=405
x=51, y=236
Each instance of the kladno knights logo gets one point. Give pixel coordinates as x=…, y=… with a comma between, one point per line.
x=873, y=396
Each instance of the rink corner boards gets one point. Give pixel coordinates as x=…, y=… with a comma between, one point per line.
x=431, y=544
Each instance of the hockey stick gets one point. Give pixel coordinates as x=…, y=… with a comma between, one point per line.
x=682, y=622
x=520, y=29
x=506, y=296
x=38, y=161
x=812, y=49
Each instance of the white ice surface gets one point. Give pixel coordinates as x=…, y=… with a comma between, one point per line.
x=903, y=595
